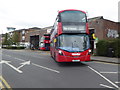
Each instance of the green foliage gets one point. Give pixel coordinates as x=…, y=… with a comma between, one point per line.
x=15, y=38
x=103, y=47
x=14, y=47
x=20, y=47
x=7, y=40
x=116, y=46
x=119, y=35
x=11, y=40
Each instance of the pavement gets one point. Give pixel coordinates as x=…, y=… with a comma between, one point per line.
x=106, y=59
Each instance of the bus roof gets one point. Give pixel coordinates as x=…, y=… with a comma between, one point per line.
x=71, y=10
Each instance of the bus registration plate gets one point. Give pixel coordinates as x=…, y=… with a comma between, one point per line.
x=76, y=60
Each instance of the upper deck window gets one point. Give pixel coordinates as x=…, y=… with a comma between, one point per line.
x=73, y=16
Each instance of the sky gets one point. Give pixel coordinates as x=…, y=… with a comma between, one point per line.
x=23, y=14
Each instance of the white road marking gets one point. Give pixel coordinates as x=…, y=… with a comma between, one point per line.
x=106, y=86
x=104, y=77
x=117, y=82
x=7, y=55
x=7, y=62
x=40, y=66
x=45, y=68
x=36, y=65
x=23, y=64
x=110, y=72
x=15, y=57
x=19, y=59
x=4, y=61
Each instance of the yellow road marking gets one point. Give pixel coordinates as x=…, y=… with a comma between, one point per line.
x=6, y=84
x=1, y=85
x=107, y=63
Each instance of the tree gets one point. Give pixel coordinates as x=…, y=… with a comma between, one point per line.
x=7, y=40
x=15, y=38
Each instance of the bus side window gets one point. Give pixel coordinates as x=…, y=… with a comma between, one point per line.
x=42, y=39
x=58, y=18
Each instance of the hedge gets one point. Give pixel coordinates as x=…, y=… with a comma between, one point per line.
x=14, y=47
x=108, y=48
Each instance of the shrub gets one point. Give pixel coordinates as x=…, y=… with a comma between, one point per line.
x=105, y=47
x=102, y=46
x=116, y=46
x=14, y=47
x=20, y=47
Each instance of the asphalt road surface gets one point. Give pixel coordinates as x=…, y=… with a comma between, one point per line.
x=36, y=69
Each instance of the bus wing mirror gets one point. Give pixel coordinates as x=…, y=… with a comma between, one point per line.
x=59, y=20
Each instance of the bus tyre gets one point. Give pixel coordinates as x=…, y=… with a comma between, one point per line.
x=55, y=57
x=51, y=54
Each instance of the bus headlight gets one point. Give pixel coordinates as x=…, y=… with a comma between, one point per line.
x=60, y=52
x=89, y=51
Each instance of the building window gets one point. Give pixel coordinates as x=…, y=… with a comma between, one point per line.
x=26, y=31
x=23, y=32
x=23, y=37
x=97, y=22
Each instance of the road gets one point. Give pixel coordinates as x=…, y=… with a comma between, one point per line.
x=36, y=69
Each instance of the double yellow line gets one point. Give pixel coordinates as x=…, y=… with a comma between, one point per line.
x=4, y=85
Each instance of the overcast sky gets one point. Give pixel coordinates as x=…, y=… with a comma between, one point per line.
x=42, y=13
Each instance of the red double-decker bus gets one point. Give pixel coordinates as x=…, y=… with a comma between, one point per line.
x=70, y=37
x=45, y=42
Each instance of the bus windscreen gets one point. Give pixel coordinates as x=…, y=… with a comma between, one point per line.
x=75, y=43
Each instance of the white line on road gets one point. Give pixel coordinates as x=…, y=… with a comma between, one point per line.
x=106, y=86
x=7, y=55
x=110, y=72
x=6, y=62
x=23, y=64
x=15, y=57
x=45, y=68
x=104, y=77
x=37, y=66
x=117, y=82
x=19, y=59
x=40, y=66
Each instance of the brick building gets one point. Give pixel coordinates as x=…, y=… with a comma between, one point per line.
x=23, y=34
x=104, y=29
x=34, y=37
